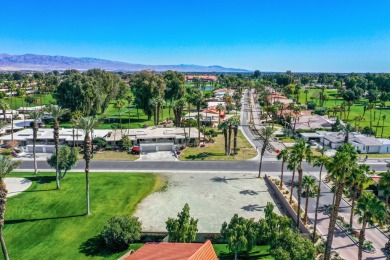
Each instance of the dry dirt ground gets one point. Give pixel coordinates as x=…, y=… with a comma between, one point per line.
x=213, y=198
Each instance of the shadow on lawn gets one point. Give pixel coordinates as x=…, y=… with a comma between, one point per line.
x=95, y=247
x=243, y=255
x=17, y=221
x=203, y=155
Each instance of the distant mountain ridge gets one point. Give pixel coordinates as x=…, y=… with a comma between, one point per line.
x=34, y=62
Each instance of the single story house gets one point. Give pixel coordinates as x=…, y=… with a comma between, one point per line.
x=308, y=122
x=366, y=144
x=154, y=139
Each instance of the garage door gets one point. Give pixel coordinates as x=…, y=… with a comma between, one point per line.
x=165, y=147
x=148, y=148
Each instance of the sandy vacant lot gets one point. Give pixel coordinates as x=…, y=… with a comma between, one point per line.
x=213, y=198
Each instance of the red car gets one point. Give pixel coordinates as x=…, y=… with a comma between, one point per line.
x=136, y=150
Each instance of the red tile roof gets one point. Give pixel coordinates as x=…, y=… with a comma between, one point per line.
x=174, y=251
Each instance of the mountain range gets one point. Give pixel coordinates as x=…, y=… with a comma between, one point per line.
x=34, y=62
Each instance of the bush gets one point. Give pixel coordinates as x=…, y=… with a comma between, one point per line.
x=100, y=142
x=120, y=232
x=311, y=105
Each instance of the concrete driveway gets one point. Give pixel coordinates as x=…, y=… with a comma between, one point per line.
x=158, y=156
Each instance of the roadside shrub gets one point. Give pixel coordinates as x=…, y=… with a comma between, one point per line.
x=120, y=232
x=6, y=152
x=311, y=105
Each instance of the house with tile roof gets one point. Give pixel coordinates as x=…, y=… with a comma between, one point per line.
x=173, y=251
x=368, y=144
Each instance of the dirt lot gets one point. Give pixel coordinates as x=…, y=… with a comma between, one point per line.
x=213, y=198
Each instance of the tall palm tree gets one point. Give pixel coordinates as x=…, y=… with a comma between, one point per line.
x=198, y=99
x=369, y=209
x=265, y=135
x=35, y=115
x=339, y=169
x=382, y=106
x=384, y=117
x=224, y=127
x=283, y=155
x=130, y=99
x=118, y=106
x=292, y=166
x=220, y=108
x=87, y=124
x=301, y=151
x=235, y=121
x=4, y=106
x=56, y=112
x=6, y=166
x=319, y=161
x=384, y=184
x=309, y=183
x=356, y=181
x=370, y=107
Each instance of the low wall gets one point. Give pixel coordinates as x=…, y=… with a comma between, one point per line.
x=289, y=210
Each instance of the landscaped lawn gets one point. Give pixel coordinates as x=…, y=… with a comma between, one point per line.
x=44, y=223
x=111, y=156
x=17, y=102
x=356, y=110
x=215, y=151
x=258, y=252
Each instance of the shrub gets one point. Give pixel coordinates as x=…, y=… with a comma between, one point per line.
x=311, y=105
x=120, y=232
x=6, y=152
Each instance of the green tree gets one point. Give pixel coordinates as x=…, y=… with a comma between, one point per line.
x=240, y=234
x=6, y=167
x=235, y=122
x=87, y=124
x=129, y=99
x=35, y=115
x=369, y=209
x=184, y=228
x=67, y=158
x=224, y=127
x=126, y=142
x=56, y=112
x=220, y=107
x=175, y=86
x=198, y=100
x=384, y=117
x=119, y=232
x=283, y=155
x=265, y=138
x=384, y=184
x=4, y=107
x=309, y=184
x=118, y=106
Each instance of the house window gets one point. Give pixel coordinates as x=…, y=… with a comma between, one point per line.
x=364, y=148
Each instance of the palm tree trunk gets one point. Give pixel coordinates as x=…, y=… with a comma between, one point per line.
x=226, y=139
x=73, y=132
x=261, y=160
x=56, y=142
x=281, y=175
x=35, y=130
x=317, y=203
x=361, y=239
x=230, y=139
x=352, y=209
x=307, y=204
x=128, y=123
x=198, y=108
x=332, y=222
x=379, y=118
x=383, y=127
x=292, y=185
x=235, y=139
x=120, y=120
x=87, y=158
x=3, y=203
x=300, y=176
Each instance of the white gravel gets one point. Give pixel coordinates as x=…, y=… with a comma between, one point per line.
x=16, y=185
x=213, y=198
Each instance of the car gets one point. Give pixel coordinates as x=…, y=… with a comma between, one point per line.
x=312, y=142
x=135, y=150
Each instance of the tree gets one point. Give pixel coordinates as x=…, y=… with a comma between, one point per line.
x=35, y=115
x=129, y=99
x=283, y=155
x=265, y=136
x=6, y=167
x=184, y=228
x=119, y=232
x=100, y=142
x=4, y=107
x=118, y=106
x=87, y=124
x=300, y=151
x=175, y=86
x=220, y=108
x=235, y=122
x=56, y=112
x=224, y=127
x=67, y=158
x=319, y=161
x=339, y=169
x=309, y=183
x=369, y=209
x=198, y=100
x=384, y=184
x=126, y=143
x=178, y=107
x=384, y=117
x=240, y=234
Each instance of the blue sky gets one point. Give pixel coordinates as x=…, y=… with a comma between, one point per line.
x=312, y=36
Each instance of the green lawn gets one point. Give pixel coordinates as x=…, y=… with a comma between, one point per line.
x=44, y=99
x=356, y=110
x=44, y=223
x=215, y=151
x=258, y=252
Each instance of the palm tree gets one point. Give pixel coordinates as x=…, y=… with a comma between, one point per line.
x=382, y=106
x=370, y=107
x=224, y=127
x=6, y=166
x=300, y=152
x=339, y=169
x=87, y=124
x=198, y=99
x=283, y=155
x=292, y=166
x=306, y=92
x=76, y=115
x=356, y=181
x=118, y=106
x=130, y=99
x=384, y=184
x=4, y=106
x=384, y=117
x=56, y=112
x=35, y=115
x=265, y=134
x=369, y=209
x=347, y=129
x=220, y=108
x=309, y=183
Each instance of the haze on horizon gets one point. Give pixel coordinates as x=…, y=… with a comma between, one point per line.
x=328, y=36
